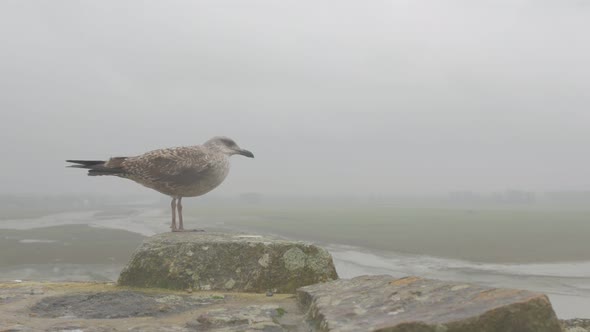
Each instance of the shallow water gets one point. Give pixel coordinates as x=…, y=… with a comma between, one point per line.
x=75, y=250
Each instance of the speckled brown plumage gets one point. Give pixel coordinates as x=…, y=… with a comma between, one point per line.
x=177, y=172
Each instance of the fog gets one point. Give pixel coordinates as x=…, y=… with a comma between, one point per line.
x=333, y=97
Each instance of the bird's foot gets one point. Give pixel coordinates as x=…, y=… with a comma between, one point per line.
x=179, y=230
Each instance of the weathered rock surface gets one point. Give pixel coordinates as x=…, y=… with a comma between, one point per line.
x=220, y=261
x=248, y=318
x=118, y=304
x=379, y=303
x=576, y=325
x=382, y=303
x=98, y=307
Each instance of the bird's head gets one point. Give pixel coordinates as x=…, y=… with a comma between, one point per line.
x=227, y=146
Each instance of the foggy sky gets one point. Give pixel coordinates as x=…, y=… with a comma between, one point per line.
x=333, y=97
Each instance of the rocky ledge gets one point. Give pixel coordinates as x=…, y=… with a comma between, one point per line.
x=221, y=261
x=368, y=303
x=383, y=303
x=105, y=307
x=576, y=325
x=210, y=281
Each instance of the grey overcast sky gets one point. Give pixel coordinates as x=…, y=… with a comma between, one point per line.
x=333, y=97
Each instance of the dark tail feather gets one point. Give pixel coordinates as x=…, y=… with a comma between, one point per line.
x=105, y=171
x=96, y=167
x=85, y=163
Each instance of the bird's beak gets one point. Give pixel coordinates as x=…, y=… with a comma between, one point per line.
x=246, y=153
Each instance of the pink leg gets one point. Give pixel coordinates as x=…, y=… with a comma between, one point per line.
x=179, y=207
x=173, y=206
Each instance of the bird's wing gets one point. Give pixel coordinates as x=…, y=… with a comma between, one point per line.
x=180, y=166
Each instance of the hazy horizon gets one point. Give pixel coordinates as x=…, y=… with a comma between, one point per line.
x=333, y=97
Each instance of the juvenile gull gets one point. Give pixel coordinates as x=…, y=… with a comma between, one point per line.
x=188, y=171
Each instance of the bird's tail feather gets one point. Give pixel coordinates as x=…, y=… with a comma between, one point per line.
x=105, y=171
x=85, y=163
x=96, y=167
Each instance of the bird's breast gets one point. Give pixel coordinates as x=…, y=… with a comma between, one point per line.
x=210, y=179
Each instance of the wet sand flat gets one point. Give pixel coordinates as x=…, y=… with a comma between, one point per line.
x=95, y=245
x=491, y=236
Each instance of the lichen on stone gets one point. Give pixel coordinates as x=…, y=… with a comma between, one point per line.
x=230, y=284
x=253, y=264
x=264, y=260
x=294, y=259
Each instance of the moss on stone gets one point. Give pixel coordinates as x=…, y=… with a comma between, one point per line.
x=219, y=261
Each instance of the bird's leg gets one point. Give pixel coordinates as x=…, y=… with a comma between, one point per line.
x=179, y=207
x=173, y=206
x=180, y=220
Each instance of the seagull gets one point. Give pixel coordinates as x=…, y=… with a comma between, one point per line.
x=187, y=171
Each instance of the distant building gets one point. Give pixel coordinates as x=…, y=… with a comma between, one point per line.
x=465, y=197
x=514, y=197
x=509, y=197
x=568, y=197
